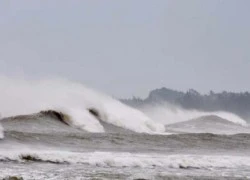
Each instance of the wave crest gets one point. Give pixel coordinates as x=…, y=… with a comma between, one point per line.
x=71, y=103
x=169, y=114
x=115, y=159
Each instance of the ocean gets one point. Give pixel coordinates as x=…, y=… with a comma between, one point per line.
x=57, y=129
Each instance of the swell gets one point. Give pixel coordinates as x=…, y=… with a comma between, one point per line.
x=178, y=143
x=76, y=106
x=207, y=124
x=45, y=122
x=170, y=113
x=61, y=117
x=58, y=121
x=54, y=122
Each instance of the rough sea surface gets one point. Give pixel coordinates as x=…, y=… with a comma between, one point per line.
x=57, y=129
x=40, y=146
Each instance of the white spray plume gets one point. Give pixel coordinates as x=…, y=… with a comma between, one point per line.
x=20, y=97
x=169, y=114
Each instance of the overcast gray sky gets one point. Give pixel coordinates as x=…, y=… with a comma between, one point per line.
x=129, y=47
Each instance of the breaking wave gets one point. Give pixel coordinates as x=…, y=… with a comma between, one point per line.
x=73, y=103
x=82, y=108
x=169, y=114
x=121, y=159
x=208, y=124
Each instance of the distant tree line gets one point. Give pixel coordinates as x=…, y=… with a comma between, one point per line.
x=237, y=103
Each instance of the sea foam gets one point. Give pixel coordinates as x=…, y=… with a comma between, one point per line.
x=125, y=159
x=19, y=97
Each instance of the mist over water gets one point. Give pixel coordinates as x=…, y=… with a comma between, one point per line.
x=73, y=100
x=169, y=114
x=193, y=55
x=58, y=122
x=21, y=97
x=1, y=132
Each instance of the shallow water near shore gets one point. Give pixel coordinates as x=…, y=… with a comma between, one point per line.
x=124, y=156
x=88, y=135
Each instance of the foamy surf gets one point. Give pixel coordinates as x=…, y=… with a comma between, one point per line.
x=124, y=159
x=74, y=101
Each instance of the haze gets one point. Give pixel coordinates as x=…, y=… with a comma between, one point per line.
x=127, y=48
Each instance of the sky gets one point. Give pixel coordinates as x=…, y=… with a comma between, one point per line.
x=127, y=48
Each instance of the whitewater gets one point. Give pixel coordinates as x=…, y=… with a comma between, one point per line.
x=74, y=100
x=59, y=129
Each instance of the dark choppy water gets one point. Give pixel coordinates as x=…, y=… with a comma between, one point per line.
x=37, y=147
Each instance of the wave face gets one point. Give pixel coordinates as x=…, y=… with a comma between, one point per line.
x=207, y=124
x=47, y=122
x=90, y=111
x=74, y=101
x=169, y=114
x=42, y=123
